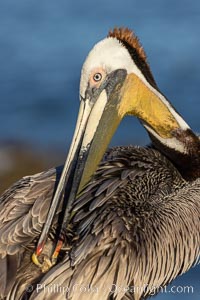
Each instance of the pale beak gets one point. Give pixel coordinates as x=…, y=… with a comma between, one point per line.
x=97, y=122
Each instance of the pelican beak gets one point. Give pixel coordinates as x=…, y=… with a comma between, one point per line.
x=96, y=124
x=140, y=99
x=100, y=113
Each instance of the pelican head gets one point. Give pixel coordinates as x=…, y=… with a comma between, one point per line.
x=116, y=81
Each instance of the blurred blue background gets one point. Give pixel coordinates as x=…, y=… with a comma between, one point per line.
x=42, y=47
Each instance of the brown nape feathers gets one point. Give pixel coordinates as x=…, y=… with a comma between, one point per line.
x=128, y=38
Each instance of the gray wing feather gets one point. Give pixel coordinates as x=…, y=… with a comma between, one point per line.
x=23, y=209
x=147, y=231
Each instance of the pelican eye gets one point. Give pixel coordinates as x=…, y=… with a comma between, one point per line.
x=97, y=77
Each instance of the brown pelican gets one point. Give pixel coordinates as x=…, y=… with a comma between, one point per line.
x=134, y=225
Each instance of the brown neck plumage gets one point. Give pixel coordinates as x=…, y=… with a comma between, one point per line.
x=187, y=163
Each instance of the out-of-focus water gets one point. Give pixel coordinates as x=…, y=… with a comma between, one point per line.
x=43, y=45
